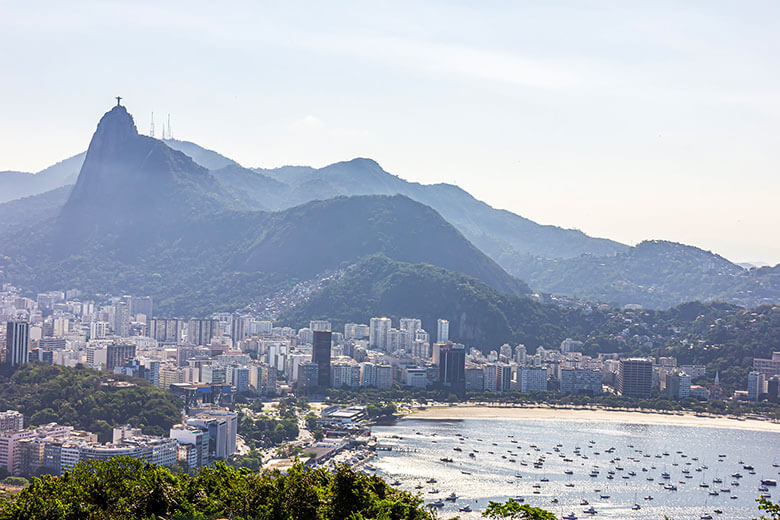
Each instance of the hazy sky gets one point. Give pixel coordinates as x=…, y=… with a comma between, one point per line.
x=628, y=120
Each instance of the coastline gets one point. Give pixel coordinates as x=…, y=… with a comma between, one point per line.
x=548, y=413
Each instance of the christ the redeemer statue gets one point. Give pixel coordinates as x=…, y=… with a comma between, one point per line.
x=117, y=100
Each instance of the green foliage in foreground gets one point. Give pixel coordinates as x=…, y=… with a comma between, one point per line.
x=80, y=398
x=511, y=509
x=124, y=488
x=773, y=510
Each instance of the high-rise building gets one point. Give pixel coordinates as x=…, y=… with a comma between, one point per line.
x=452, y=365
x=308, y=375
x=580, y=381
x=17, y=343
x=755, y=385
x=410, y=326
x=239, y=328
x=11, y=421
x=520, y=354
x=768, y=367
x=533, y=379
x=367, y=374
x=320, y=354
x=320, y=325
x=122, y=319
x=635, y=377
x=165, y=330
x=201, y=331
x=384, y=376
x=442, y=330
x=678, y=385
x=356, y=331
x=117, y=354
x=378, y=332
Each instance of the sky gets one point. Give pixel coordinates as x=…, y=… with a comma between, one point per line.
x=627, y=120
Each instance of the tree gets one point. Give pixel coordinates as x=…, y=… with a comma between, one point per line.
x=511, y=509
x=773, y=509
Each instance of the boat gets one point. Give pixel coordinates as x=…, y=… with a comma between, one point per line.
x=570, y=516
x=445, y=459
x=768, y=482
x=465, y=472
x=648, y=497
x=584, y=502
x=604, y=496
x=452, y=498
x=465, y=509
x=431, y=481
x=437, y=503
x=705, y=516
x=591, y=510
x=433, y=491
x=636, y=507
x=717, y=511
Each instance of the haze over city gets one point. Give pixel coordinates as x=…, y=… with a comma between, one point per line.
x=627, y=121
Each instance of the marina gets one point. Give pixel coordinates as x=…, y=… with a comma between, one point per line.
x=581, y=469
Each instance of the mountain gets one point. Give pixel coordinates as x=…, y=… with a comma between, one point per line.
x=551, y=259
x=146, y=219
x=303, y=241
x=209, y=159
x=130, y=183
x=654, y=274
x=498, y=233
x=16, y=185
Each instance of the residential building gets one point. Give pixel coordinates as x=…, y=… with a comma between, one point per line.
x=17, y=343
x=442, y=330
x=635, y=377
x=580, y=381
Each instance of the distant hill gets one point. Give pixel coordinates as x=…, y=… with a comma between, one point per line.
x=654, y=274
x=33, y=210
x=147, y=219
x=209, y=159
x=16, y=185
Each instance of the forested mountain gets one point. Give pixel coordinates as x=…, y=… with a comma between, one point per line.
x=146, y=219
x=655, y=274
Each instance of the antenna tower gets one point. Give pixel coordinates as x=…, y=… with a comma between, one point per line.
x=169, y=126
x=151, y=129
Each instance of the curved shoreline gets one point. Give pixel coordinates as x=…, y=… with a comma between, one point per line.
x=636, y=416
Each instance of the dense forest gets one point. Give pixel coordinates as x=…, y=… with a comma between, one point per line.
x=85, y=399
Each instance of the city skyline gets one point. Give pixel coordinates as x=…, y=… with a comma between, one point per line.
x=629, y=124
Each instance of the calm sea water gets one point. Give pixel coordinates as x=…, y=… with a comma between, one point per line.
x=621, y=448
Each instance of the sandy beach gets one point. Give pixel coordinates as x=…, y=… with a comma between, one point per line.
x=599, y=415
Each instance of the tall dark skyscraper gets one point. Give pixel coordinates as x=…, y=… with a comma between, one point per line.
x=452, y=365
x=320, y=354
x=17, y=343
x=635, y=377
